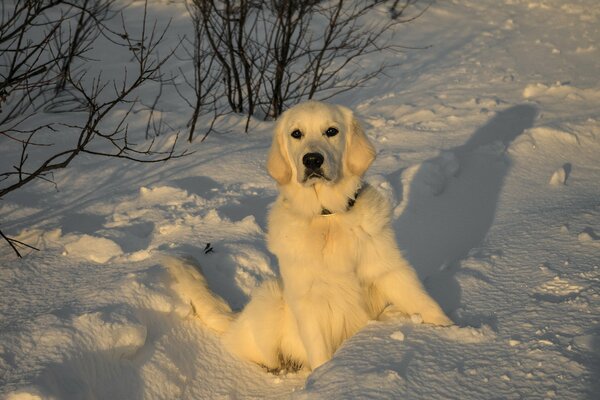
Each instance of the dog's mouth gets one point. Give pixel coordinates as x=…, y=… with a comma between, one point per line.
x=314, y=174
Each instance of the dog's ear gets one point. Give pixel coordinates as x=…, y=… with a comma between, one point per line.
x=360, y=153
x=278, y=165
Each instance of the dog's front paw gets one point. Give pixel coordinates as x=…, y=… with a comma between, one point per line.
x=438, y=318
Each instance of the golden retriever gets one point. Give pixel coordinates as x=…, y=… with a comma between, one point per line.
x=331, y=232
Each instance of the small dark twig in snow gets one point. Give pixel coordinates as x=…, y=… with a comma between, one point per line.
x=13, y=242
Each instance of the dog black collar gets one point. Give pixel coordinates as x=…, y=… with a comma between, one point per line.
x=350, y=203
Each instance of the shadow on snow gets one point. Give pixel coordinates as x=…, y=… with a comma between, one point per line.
x=450, y=202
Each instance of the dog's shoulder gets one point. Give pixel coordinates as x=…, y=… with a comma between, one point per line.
x=282, y=212
x=371, y=210
x=283, y=224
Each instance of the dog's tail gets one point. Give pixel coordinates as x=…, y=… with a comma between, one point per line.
x=191, y=286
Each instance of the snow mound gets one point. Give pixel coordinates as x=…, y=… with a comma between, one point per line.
x=398, y=335
x=588, y=235
x=118, y=335
x=97, y=249
x=466, y=334
x=163, y=195
x=559, y=287
x=25, y=394
x=560, y=176
x=560, y=90
x=433, y=174
x=562, y=137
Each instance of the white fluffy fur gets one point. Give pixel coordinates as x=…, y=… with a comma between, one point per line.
x=337, y=271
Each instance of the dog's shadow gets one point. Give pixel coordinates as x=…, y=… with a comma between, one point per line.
x=449, y=203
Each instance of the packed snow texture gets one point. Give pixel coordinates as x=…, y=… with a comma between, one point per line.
x=488, y=143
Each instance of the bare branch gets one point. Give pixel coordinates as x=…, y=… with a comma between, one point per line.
x=43, y=48
x=13, y=243
x=273, y=53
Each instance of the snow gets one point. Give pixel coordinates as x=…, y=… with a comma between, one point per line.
x=488, y=146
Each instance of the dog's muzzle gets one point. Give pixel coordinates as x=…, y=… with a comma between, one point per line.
x=312, y=163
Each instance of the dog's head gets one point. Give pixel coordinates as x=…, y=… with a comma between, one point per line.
x=316, y=142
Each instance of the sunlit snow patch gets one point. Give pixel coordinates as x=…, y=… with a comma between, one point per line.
x=466, y=334
x=92, y=248
x=557, y=290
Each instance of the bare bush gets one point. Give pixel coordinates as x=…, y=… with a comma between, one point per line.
x=272, y=54
x=41, y=42
x=255, y=57
x=205, y=75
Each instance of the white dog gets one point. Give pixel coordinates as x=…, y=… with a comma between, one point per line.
x=331, y=232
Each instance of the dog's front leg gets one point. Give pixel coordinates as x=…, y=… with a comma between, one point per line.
x=394, y=281
x=402, y=288
x=309, y=320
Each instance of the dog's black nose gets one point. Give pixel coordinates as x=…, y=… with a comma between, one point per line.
x=312, y=160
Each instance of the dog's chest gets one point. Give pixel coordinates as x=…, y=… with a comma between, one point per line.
x=334, y=237
x=321, y=244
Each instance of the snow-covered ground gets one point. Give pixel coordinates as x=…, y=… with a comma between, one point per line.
x=489, y=145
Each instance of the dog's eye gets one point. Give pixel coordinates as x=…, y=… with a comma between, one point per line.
x=331, y=132
x=296, y=134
